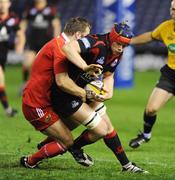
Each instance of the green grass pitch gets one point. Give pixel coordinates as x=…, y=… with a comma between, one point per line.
x=17, y=138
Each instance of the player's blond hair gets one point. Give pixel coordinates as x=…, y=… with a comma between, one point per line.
x=76, y=24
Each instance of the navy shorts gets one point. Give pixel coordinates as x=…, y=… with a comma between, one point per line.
x=35, y=41
x=35, y=46
x=3, y=59
x=167, y=80
x=65, y=104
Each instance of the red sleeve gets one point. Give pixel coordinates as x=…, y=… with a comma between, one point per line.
x=60, y=66
x=60, y=61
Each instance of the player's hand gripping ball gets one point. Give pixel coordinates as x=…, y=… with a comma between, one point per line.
x=94, y=88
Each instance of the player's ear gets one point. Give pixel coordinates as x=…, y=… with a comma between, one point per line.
x=78, y=35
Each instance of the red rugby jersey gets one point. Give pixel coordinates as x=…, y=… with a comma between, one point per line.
x=47, y=63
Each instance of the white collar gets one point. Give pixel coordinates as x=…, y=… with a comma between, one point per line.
x=65, y=37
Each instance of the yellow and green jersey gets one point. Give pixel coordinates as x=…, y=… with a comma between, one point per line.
x=165, y=32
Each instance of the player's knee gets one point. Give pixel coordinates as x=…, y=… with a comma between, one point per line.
x=110, y=128
x=101, y=132
x=101, y=109
x=151, y=110
x=92, y=121
x=66, y=142
x=64, y=136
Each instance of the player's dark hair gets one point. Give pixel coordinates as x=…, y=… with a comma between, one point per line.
x=76, y=24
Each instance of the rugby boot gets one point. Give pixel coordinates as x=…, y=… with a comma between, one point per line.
x=133, y=168
x=24, y=163
x=140, y=139
x=81, y=157
x=10, y=112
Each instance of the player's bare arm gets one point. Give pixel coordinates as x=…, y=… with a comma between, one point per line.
x=108, y=85
x=72, y=52
x=24, y=24
x=67, y=85
x=56, y=26
x=20, y=41
x=142, y=39
x=107, y=88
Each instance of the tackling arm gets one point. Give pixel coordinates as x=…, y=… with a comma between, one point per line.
x=65, y=83
x=72, y=52
x=142, y=39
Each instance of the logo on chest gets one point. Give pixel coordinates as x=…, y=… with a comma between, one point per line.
x=40, y=22
x=114, y=63
x=101, y=60
x=171, y=48
x=74, y=104
x=3, y=34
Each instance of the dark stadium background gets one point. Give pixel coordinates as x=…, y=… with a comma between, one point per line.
x=148, y=14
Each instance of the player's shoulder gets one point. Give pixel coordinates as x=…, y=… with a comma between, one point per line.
x=49, y=10
x=55, y=45
x=167, y=23
x=31, y=10
x=92, y=40
x=100, y=39
x=12, y=19
x=58, y=41
x=51, y=44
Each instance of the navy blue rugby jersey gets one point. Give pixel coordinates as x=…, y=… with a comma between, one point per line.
x=95, y=49
x=8, y=29
x=39, y=21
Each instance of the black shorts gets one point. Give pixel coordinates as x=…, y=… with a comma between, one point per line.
x=167, y=80
x=64, y=104
x=3, y=59
x=35, y=46
x=36, y=41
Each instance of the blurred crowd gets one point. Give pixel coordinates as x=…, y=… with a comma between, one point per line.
x=25, y=26
x=19, y=6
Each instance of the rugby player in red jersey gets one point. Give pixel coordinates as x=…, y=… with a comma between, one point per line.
x=36, y=102
x=105, y=50
x=9, y=27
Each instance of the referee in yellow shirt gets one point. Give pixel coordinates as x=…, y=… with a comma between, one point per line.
x=165, y=88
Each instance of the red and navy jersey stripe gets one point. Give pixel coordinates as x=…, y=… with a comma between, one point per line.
x=95, y=49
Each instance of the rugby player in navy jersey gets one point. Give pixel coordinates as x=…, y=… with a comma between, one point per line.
x=105, y=50
x=41, y=23
x=9, y=27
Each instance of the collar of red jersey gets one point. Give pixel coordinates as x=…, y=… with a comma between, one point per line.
x=65, y=37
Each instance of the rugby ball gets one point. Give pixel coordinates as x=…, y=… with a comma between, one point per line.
x=94, y=87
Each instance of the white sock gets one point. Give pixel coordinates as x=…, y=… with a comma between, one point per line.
x=147, y=135
x=9, y=110
x=127, y=165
